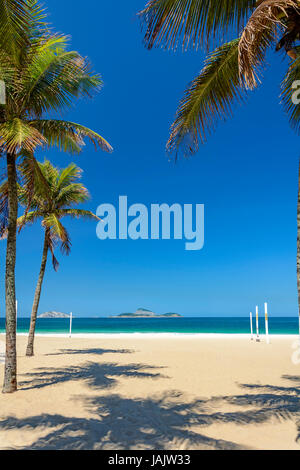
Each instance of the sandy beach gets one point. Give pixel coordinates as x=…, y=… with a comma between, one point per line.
x=134, y=392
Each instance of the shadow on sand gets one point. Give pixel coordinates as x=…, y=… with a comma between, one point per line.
x=97, y=376
x=123, y=423
x=166, y=421
x=91, y=351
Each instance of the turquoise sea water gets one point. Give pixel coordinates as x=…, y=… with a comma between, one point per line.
x=277, y=325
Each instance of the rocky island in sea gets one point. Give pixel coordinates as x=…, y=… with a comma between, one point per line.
x=54, y=315
x=145, y=313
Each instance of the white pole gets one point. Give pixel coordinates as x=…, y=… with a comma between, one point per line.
x=71, y=318
x=251, y=326
x=257, y=327
x=16, y=313
x=267, y=323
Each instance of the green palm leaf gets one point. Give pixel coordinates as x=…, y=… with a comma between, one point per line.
x=68, y=175
x=14, y=24
x=208, y=99
x=7, y=70
x=29, y=218
x=52, y=223
x=74, y=193
x=17, y=134
x=34, y=182
x=56, y=76
x=50, y=174
x=191, y=22
x=69, y=136
x=78, y=214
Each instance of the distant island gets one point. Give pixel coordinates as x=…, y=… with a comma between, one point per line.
x=145, y=313
x=54, y=315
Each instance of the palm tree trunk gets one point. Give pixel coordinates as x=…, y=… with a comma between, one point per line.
x=37, y=296
x=298, y=246
x=10, y=373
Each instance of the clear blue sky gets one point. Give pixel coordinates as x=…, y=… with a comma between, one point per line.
x=246, y=176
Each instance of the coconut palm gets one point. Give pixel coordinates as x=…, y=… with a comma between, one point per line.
x=63, y=195
x=233, y=68
x=42, y=76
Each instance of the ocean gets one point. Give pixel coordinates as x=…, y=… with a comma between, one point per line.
x=187, y=325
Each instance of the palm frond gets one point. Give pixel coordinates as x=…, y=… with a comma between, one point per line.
x=29, y=218
x=290, y=94
x=58, y=231
x=17, y=134
x=77, y=214
x=69, y=136
x=51, y=245
x=258, y=34
x=7, y=70
x=34, y=183
x=38, y=24
x=68, y=175
x=207, y=100
x=192, y=22
x=74, y=193
x=14, y=24
x=56, y=76
x=51, y=174
x=33, y=175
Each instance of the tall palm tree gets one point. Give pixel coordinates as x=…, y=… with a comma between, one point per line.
x=233, y=68
x=41, y=76
x=63, y=195
x=14, y=31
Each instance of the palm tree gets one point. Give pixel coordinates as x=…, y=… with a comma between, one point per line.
x=64, y=192
x=14, y=31
x=41, y=76
x=230, y=70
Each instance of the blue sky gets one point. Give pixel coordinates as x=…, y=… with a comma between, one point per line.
x=246, y=175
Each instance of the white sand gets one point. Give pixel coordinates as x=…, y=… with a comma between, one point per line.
x=149, y=392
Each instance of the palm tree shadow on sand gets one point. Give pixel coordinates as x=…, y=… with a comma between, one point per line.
x=166, y=421
x=123, y=423
x=91, y=351
x=94, y=375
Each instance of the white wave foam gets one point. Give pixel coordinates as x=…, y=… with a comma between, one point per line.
x=244, y=336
